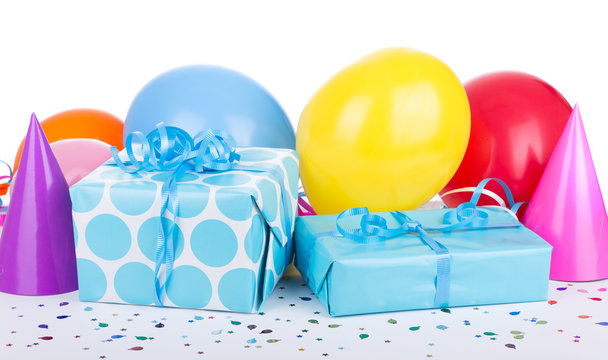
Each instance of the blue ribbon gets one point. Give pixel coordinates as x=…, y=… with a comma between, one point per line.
x=172, y=149
x=373, y=228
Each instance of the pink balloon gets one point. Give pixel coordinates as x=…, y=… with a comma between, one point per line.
x=79, y=157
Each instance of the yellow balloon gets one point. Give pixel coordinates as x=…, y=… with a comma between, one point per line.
x=387, y=132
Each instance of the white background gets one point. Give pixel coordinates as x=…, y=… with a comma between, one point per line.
x=60, y=55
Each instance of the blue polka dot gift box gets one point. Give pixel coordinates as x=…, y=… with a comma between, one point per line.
x=182, y=222
x=359, y=263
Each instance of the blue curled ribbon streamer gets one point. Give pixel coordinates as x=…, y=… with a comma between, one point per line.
x=373, y=228
x=173, y=150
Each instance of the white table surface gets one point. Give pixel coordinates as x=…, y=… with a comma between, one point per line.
x=293, y=324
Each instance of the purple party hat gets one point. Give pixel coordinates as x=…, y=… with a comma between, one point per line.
x=37, y=254
x=567, y=209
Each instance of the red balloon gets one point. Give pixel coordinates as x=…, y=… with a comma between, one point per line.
x=516, y=120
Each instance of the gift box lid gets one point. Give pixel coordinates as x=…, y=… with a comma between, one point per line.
x=317, y=248
x=272, y=187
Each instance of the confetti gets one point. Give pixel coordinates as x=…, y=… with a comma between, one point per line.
x=603, y=323
x=363, y=336
x=595, y=299
x=510, y=346
x=392, y=321
x=136, y=348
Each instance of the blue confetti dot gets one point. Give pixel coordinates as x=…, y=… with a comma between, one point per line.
x=514, y=313
x=235, y=203
x=234, y=289
x=268, y=283
x=134, y=283
x=117, y=174
x=213, y=243
x=147, y=238
x=133, y=197
x=92, y=283
x=117, y=336
x=254, y=240
x=292, y=168
x=268, y=191
x=227, y=179
x=193, y=199
x=185, y=177
x=603, y=323
x=305, y=298
x=278, y=257
x=43, y=326
x=256, y=155
x=189, y=287
x=108, y=237
x=86, y=195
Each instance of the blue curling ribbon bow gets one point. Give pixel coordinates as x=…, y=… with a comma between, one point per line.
x=373, y=228
x=172, y=149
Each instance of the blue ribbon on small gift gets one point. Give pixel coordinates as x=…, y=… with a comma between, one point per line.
x=173, y=150
x=373, y=228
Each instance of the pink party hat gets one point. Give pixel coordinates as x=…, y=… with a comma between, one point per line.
x=568, y=211
x=37, y=254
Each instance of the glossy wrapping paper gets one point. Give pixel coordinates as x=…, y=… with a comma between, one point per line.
x=232, y=242
x=488, y=266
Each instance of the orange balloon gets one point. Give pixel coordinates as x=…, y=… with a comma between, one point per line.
x=81, y=123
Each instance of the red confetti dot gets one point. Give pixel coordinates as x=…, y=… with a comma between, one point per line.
x=552, y=302
x=136, y=348
x=584, y=316
x=596, y=299
x=46, y=338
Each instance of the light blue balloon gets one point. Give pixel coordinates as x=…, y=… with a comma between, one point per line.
x=199, y=97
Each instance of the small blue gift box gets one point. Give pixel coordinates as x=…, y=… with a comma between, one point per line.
x=359, y=263
x=192, y=223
